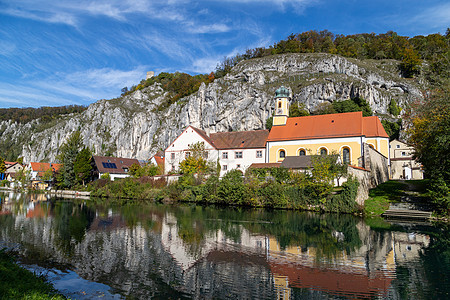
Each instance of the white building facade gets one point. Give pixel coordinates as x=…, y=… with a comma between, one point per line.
x=232, y=150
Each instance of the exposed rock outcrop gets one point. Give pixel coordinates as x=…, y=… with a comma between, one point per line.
x=133, y=125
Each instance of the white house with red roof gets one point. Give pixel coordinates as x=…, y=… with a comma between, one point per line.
x=233, y=150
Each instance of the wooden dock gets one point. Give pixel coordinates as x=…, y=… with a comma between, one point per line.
x=407, y=214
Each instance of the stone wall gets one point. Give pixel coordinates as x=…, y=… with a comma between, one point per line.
x=373, y=169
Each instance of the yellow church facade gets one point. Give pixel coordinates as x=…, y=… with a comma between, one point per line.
x=343, y=134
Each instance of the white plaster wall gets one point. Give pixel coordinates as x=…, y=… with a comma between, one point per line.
x=180, y=146
x=248, y=158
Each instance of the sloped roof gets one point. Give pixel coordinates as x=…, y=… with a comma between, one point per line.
x=159, y=160
x=42, y=167
x=113, y=165
x=235, y=139
x=297, y=162
x=264, y=165
x=240, y=139
x=328, y=126
x=373, y=127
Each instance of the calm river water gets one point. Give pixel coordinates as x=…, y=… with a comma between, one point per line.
x=185, y=251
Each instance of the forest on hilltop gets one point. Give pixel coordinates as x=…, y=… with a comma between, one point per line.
x=434, y=49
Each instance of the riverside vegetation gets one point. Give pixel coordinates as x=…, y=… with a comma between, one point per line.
x=266, y=187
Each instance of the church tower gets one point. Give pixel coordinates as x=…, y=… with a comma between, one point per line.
x=281, y=106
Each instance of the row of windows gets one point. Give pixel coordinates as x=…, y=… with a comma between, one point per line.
x=323, y=151
x=237, y=154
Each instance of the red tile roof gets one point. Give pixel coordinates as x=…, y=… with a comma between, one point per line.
x=327, y=126
x=159, y=160
x=373, y=127
x=42, y=167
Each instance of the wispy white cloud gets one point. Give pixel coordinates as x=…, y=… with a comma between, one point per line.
x=437, y=16
x=213, y=28
x=75, y=88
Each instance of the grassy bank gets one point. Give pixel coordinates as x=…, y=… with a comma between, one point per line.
x=19, y=283
x=393, y=191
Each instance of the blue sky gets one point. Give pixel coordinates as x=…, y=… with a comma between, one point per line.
x=62, y=52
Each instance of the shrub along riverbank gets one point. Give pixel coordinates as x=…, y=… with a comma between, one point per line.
x=269, y=188
x=19, y=283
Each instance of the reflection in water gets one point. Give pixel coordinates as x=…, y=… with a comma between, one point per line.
x=203, y=252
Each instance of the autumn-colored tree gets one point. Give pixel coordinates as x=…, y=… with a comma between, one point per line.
x=2, y=165
x=430, y=137
x=411, y=62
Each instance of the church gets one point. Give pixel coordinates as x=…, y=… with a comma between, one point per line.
x=345, y=134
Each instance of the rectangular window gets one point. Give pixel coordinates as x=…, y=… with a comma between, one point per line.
x=206, y=154
x=224, y=167
x=398, y=146
x=224, y=155
x=172, y=155
x=258, y=153
x=403, y=153
x=238, y=154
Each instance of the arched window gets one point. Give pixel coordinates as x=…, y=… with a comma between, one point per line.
x=301, y=152
x=323, y=151
x=282, y=154
x=346, y=155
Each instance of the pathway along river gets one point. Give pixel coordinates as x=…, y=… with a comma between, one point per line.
x=186, y=251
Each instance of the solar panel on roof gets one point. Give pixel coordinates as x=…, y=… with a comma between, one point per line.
x=109, y=165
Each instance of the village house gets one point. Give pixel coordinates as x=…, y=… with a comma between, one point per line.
x=116, y=167
x=403, y=166
x=344, y=134
x=233, y=150
x=158, y=160
x=37, y=171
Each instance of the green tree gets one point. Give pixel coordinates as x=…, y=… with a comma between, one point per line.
x=392, y=128
x=67, y=155
x=48, y=175
x=23, y=177
x=394, y=109
x=82, y=165
x=148, y=170
x=195, y=162
x=269, y=123
x=2, y=165
x=298, y=110
x=430, y=137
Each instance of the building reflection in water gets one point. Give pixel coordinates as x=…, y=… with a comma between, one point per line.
x=128, y=247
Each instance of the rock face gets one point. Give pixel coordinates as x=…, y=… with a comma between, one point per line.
x=134, y=126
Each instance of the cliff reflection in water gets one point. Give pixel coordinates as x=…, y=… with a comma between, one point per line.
x=204, y=252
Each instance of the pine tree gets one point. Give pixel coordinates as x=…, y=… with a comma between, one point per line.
x=82, y=166
x=67, y=155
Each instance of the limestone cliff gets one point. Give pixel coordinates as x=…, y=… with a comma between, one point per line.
x=134, y=126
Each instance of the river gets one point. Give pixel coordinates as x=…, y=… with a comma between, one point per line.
x=104, y=251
